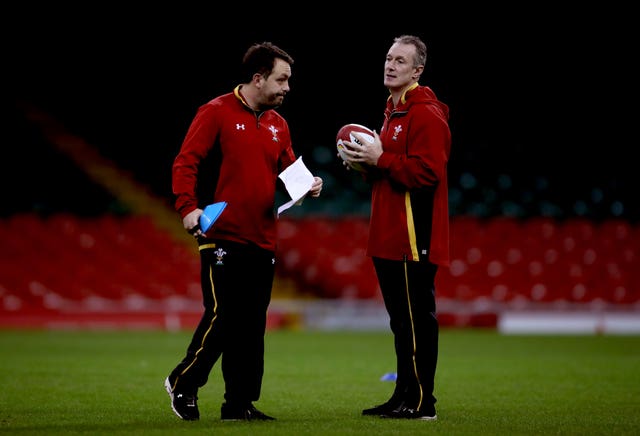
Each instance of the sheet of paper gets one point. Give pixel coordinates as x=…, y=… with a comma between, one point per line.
x=297, y=180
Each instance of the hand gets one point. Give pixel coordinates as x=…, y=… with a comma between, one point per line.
x=191, y=222
x=316, y=187
x=366, y=152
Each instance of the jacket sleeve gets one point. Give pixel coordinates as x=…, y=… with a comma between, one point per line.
x=287, y=155
x=200, y=137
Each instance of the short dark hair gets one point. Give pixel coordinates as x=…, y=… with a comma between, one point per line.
x=421, y=48
x=260, y=58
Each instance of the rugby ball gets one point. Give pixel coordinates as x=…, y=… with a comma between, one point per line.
x=346, y=134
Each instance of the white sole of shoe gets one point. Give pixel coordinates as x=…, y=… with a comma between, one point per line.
x=167, y=386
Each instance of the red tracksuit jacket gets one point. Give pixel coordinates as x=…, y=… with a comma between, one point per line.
x=231, y=153
x=409, y=209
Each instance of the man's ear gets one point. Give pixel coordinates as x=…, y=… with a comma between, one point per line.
x=418, y=72
x=257, y=79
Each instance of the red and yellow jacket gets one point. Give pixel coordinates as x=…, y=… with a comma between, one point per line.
x=409, y=202
x=232, y=153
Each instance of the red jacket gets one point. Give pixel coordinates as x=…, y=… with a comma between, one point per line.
x=234, y=154
x=409, y=202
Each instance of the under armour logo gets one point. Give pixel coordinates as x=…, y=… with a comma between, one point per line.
x=239, y=126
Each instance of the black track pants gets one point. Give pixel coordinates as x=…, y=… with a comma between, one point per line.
x=408, y=290
x=236, y=289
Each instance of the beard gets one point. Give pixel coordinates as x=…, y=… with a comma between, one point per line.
x=272, y=102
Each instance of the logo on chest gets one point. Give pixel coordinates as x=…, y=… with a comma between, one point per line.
x=274, y=133
x=396, y=132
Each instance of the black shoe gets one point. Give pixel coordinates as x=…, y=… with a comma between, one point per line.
x=382, y=408
x=427, y=413
x=184, y=405
x=232, y=412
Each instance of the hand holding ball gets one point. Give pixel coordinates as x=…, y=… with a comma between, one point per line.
x=346, y=134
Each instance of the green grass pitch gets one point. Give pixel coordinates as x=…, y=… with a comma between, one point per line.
x=317, y=383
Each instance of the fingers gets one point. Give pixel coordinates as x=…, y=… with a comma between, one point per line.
x=353, y=150
x=193, y=230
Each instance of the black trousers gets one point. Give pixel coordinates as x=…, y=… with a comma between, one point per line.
x=237, y=280
x=408, y=290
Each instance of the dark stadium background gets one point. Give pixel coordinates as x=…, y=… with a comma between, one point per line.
x=539, y=96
